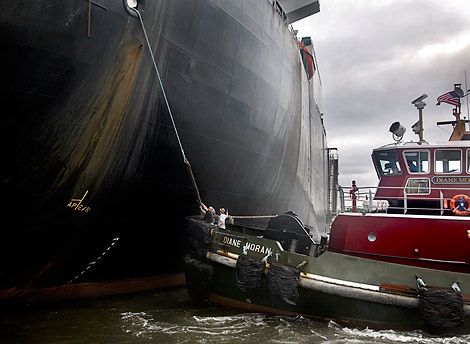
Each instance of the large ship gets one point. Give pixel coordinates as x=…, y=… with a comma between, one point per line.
x=120, y=117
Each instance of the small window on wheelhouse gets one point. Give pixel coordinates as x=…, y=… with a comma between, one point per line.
x=448, y=161
x=417, y=161
x=468, y=161
x=386, y=163
x=417, y=186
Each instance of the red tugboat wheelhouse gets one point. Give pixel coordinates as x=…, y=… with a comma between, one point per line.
x=425, y=189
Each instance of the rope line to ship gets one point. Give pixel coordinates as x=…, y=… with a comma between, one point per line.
x=185, y=159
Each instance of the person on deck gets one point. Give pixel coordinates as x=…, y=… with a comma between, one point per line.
x=208, y=213
x=222, y=217
x=412, y=166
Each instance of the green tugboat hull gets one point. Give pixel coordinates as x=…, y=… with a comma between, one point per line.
x=329, y=285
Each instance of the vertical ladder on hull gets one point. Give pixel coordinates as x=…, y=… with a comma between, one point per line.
x=332, y=187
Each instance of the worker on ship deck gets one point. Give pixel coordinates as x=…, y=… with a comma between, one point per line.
x=207, y=213
x=412, y=165
x=221, y=218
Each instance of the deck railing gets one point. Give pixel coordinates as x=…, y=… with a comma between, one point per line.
x=362, y=199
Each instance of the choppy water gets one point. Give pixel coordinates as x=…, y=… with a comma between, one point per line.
x=171, y=317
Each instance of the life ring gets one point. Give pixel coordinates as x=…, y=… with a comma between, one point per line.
x=459, y=204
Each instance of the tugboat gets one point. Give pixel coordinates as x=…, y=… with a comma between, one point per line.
x=399, y=261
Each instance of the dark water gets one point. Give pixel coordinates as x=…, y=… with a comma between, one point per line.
x=171, y=317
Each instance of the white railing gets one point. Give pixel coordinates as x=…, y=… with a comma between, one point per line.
x=363, y=199
x=277, y=7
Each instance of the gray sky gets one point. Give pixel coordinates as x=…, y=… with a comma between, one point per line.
x=375, y=57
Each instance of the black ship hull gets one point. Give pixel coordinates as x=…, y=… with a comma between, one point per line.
x=94, y=184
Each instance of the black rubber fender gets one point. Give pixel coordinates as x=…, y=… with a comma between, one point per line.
x=249, y=273
x=283, y=281
x=441, y=308
x=198, y=276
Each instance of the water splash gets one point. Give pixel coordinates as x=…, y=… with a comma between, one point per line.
x=171, y=317
x=207, y=329
x=390, y=336
x=253, y=328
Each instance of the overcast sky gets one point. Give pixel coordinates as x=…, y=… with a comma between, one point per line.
x=375, y=57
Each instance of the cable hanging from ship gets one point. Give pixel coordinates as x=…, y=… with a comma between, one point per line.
x=132, y=7
x=96, y=260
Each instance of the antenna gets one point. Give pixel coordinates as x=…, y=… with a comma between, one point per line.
x=418, y=126
x=419, y=99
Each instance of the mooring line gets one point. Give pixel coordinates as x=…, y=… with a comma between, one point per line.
x=185, y=160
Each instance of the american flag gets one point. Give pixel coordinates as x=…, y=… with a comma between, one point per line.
x=450, y=97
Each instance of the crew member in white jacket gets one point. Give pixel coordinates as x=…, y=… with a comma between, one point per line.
x=223, y=215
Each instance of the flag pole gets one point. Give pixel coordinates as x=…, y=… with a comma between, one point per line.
x=458, y=111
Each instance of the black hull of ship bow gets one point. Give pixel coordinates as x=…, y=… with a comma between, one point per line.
x=93, y=183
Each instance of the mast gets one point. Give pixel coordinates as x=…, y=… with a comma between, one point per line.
x=459, y=128
x=460, y=131
x=418, y=126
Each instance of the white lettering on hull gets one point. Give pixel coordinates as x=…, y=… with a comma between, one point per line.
x=257, y=248
x=76, y=204
x=232, y=241
x=248, y=246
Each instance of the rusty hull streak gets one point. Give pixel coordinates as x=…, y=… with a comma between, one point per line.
x=98, y=135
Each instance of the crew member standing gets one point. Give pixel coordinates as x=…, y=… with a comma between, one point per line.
x=222, y=217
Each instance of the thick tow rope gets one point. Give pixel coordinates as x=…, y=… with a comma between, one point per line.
x=185, y=160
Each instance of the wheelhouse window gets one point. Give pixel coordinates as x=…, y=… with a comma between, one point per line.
x=448, y=161
x=468, y=160
x=386, y=163
x=417, y=161
x=418, y=186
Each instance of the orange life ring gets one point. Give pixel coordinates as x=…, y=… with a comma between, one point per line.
x=459, y=204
